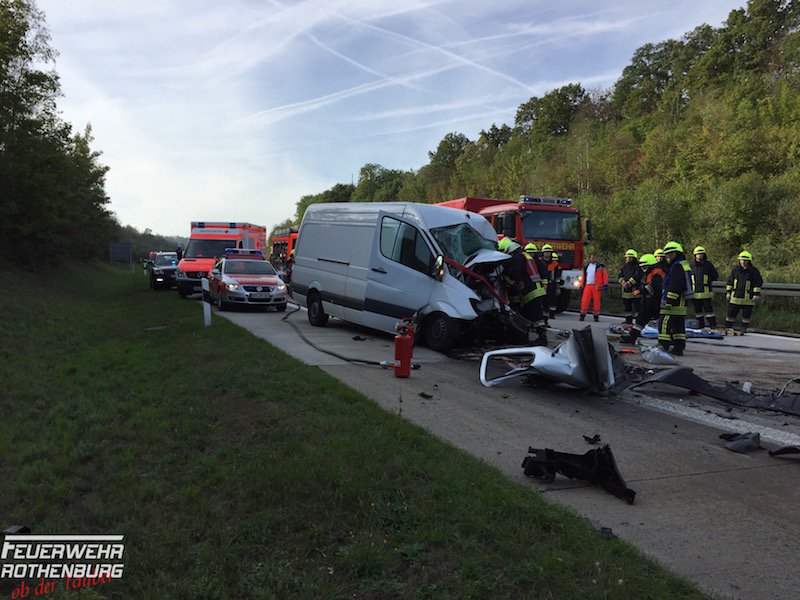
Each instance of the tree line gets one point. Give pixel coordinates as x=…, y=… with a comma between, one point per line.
x=52, y=186
x=697, y=141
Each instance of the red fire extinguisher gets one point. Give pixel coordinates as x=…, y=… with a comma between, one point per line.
x=403, y=348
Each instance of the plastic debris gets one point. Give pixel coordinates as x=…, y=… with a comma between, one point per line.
x=655, y=355
x=596, y=466
x=741, y=442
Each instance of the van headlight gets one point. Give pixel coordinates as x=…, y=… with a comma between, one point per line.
x=232, y=286
x=281, y=287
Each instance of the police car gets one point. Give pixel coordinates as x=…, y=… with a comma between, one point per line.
x=244, y=277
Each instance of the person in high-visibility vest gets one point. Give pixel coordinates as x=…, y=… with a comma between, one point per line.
x=553, y=278
x=678, y=289
x=525, y=286
x=705, y=274
x=629, y=278
x=594, y=280
x=743, y=290
x=650, y=292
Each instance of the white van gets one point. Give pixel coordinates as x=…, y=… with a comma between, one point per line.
x=376, y=263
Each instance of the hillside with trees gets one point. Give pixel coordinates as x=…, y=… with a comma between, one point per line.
x=698, y=141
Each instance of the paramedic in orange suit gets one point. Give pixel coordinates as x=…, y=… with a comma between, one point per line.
x=593, y=281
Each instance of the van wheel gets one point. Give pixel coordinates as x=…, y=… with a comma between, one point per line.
x=281, y=307
x=183, y=293
x=316, y=314
x=221, y=304
x=440, y=332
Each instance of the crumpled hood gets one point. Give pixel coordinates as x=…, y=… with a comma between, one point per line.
x=486, y=257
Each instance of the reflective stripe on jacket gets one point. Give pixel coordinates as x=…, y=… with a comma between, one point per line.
x=678, y=287
x=704, y=274
x=744, y=285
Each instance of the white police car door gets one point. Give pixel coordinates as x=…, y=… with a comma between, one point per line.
x=399, y=281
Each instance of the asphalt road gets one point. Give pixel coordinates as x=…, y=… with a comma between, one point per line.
x=726, y=521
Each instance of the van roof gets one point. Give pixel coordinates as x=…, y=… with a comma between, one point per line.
x=429, y=216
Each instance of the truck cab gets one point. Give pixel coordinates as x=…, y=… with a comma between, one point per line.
x=538, y=220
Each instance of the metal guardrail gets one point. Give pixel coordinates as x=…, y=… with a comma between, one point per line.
x=768, y=289
x=790, y=290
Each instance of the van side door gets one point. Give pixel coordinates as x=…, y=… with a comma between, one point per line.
x=400, y=281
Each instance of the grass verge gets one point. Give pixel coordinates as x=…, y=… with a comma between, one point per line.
x=235, y=471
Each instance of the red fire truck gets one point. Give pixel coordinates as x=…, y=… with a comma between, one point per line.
x=283, y=242
x=207, y=242
x=542, y=221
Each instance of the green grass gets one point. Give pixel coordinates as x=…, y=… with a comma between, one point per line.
x=234, y=471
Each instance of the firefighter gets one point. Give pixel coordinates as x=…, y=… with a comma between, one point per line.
x=677, y=290
x=630, y=278
x=743, y=290
x=553, y=277
x=652, y=285
x=704, y=274
x=593, y=281
x=660, y=258
x=525, y=286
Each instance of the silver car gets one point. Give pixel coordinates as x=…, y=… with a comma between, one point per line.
x=245, y=278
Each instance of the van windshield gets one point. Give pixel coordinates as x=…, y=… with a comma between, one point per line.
x=461, y=241
x=207, y=248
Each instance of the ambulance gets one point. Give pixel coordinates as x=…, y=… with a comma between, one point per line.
x=207, y=242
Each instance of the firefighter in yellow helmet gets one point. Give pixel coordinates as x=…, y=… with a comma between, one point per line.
x=651, y=291
x=743, y=290
x=552, y=274
x=677, y=290
x=525, y=286
x=630, y=278
x=704, y=274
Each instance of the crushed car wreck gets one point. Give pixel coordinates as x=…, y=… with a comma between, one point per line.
x=584, y=360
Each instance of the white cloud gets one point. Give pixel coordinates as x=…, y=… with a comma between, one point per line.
x=233, y=110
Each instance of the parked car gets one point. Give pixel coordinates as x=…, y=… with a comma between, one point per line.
x=376, y=263
x=161, y=267
x=244, y=277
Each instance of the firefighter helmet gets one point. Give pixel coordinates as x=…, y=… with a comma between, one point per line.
x=555, y=256
x=507, y=245
x=547, y=248
x=672, y=247
x=531, y=247
x=631, y=252
x=745, y=255
x=699, y=250
x=658, y=253
x=647, y=260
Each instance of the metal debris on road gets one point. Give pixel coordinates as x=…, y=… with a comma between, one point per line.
x=585, y=360
x=684, y=377
x=595, y=439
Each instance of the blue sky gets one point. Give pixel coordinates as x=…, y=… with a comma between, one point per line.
x=232, y=110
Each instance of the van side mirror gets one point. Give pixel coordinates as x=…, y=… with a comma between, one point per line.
x=588, y=230
x=438, y=268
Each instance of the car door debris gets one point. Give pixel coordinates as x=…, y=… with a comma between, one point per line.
x=597, y=466
x=595, y=439
x=684, y=377
x=584, y=360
